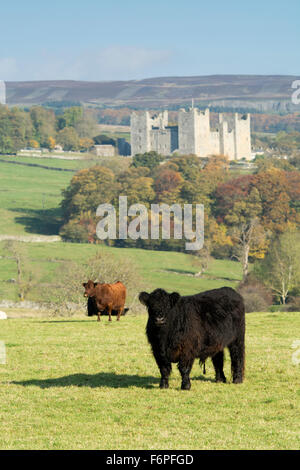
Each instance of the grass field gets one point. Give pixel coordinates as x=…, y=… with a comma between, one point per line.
x=29, y=199
x=77, y=384
x=30, y=196
x=169, y=270
x=72, y=383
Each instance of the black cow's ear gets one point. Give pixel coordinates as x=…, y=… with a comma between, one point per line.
x=174, y=297
x=84, y=284
x=143, y=298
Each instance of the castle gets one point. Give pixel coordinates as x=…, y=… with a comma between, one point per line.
x=193, y=135
x=2, y=92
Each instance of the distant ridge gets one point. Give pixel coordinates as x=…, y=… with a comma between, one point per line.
x=259, y=92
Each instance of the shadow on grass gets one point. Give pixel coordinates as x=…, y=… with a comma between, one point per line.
x=41, y=222
x=102, y=379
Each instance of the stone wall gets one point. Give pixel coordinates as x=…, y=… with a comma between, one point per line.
x=193, y=134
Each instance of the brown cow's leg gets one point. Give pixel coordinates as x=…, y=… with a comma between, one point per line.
x=98, y=314
x=120, y=313
x=109, y=312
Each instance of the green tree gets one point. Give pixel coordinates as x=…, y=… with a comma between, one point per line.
x=89, y=188
x=149, y=160
x=68, y=139
x=43, y=121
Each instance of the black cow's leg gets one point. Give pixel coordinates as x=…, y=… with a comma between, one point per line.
x=185, y=367
x=165, y=371
x=218, y=361
x=237, y=356
x=165, y=368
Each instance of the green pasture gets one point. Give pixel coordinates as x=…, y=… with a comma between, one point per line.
x=79, y=384
x=170, y=270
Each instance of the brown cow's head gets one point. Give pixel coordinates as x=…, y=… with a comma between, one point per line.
x=89, y=288
x=158, y=304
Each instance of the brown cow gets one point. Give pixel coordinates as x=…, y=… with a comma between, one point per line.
x=106, y=296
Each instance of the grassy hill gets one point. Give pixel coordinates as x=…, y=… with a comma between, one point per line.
x=261, y=92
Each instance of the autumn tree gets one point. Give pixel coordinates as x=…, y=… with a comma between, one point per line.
x=51, y=142
x=167, y=185
x=89, y=188
x=246, y=230
x=137, y=185
x=280, y=269
x=272, y=186
x=85, y=143
x=68, y=138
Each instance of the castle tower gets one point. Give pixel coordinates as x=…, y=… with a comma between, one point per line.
x=203, y=147
x=2, y=92
x=193, y=132
x=242, y=136
x=227, y=138
x=140, y=133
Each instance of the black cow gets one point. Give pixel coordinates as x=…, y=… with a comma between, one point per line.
x=180, y=329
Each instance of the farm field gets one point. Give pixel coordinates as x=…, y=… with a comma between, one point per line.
x=77, y=384
x=30, y=196
x=169, y=270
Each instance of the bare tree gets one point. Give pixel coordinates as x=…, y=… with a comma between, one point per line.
x=27, y=277
x=250, y=239
x=201, y=259
x=246, y=230
x=280, y=270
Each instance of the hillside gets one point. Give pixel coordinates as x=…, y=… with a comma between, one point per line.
x=256, y=92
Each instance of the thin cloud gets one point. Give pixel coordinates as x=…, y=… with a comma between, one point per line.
x=111, y=63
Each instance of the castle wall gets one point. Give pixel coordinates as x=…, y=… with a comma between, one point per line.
x=202, y=133
x=164, y=141
x=192, y=136
x=2, y=92
x=242, y=137
x=215, y=143
x=140, y=133
x=186, y=132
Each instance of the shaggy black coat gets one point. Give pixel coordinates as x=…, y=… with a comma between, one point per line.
x=180, y=329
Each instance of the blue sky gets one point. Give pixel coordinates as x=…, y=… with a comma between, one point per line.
x=130, y=39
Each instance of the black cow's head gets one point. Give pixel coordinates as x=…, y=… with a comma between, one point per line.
x=89, y=288
x=158, y=304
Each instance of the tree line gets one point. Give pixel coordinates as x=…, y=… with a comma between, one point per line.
x=73, y=129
